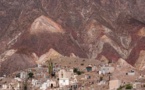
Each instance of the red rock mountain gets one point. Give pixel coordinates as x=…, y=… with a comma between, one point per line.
x=86, y=28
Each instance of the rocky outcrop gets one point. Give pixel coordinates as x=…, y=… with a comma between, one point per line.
x=45, y=34
x=140, y=62
x=17, y=62
x=122, y=63
x=51, y=54
x=44, y=24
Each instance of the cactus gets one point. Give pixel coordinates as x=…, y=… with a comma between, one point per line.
x=50, y=67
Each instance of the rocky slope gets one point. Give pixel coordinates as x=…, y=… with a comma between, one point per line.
x=87, y=28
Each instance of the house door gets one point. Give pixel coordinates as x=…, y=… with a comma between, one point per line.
x=51, y=85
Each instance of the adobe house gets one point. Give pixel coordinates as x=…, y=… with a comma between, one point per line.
x=131, y=73
x=105, y=70
x=64, y=77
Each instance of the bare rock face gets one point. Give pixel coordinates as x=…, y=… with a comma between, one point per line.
x=87, y=28
x=45, y=34
x=51, y=54
x=140, y=63
x=16, y=62
x=44, y=24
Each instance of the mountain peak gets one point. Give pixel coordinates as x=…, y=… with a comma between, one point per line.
x=123, y=63
x=45, y=24
x=51, y=54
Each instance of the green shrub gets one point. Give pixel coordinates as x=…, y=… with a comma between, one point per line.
x=79, y=72
x=30, y=75
x=128, y=86
x=75, y=70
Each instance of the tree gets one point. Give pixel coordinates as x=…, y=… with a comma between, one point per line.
x=30, y=75
x=75, y=70
x=79, y=72
x=50, y=67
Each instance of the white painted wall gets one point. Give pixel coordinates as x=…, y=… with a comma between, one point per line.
x=63, y=82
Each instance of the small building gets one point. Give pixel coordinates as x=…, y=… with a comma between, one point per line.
x=18, y=79
x=51, y=83
x=105, y=70
x=34, y=82
x=89, y=68
x=136, y=85
x=15, y=83
x=39, y=65
x=63, y=82
x=44, y=86
x=131, y=73
x=64, y=77
x=102, y=82
x=17, y=86
x=94, y=68
x=23, y=75
x=48, y=84
x=114, y=84
x=4, y=87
